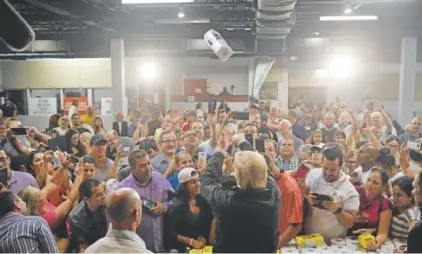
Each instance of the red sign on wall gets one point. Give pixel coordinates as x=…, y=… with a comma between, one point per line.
x=83, y=104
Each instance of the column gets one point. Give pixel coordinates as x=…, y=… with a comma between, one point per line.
x=283, y=91
x=118, y=75
x=407, y=80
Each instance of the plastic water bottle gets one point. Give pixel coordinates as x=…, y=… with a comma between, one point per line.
x=218, y=45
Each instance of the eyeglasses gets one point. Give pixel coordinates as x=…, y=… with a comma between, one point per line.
x=3, y=160
x=169, y=141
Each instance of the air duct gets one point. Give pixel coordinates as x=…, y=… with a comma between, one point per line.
x=274, y=21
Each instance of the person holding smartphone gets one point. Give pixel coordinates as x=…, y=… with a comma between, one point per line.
x=330, y=218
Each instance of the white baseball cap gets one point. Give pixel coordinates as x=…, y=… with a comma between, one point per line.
x=187, y=174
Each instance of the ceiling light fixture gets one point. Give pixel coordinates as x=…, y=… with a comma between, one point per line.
x=156, y=1
x=347, y=18
x=181, y=14
x=348, y=11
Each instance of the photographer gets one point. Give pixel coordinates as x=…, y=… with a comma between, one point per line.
x=333, y=198
x=256, y=201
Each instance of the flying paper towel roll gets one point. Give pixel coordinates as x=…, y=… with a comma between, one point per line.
x=218, y=45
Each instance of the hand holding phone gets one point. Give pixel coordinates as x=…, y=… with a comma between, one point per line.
x=319, y=199
x=148, y=203
x=4, y=177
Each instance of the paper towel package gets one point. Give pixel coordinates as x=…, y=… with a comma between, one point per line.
x=218, y=45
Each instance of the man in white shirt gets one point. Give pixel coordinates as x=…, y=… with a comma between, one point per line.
x=330, y=218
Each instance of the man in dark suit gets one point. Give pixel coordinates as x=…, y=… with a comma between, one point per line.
x=120, y=126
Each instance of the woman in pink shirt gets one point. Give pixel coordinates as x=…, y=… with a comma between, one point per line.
x=37, y=202
x=375, y=211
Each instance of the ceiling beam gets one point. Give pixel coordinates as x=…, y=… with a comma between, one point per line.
x=62, y=12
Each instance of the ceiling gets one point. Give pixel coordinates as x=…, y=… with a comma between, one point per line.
x=83, y=28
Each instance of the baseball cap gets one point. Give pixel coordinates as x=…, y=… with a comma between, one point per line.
x=187, y=174
x=190, y=113
x=126, y=141
x=318, y=147
x=98, y=139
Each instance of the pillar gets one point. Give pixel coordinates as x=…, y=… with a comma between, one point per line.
x=407, y=80
x=118, y=76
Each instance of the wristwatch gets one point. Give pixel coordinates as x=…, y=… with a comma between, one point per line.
x=339, y=210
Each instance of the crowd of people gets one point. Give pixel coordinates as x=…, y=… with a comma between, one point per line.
x=174, y=181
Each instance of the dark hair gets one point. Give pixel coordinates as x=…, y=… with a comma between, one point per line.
x=361, y=143
x=85, y=189
x=148, y=144
x=95, y=122
x=198, y=105
x=333, y=153
x=75, y=103
x=140, y=154
x=68, y=139
x=340, y=133
x=386, y=159
x=392, y=138
x=313, y=134
x=292, y=112
x=54, y=121
x=405, y=183
x=90, y=159
x=75, y=114
x=383, y=174
x=7, y=202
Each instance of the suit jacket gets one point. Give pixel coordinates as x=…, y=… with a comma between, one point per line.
x=124, y=131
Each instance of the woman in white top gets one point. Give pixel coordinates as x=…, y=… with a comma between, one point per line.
x=393, y=142
x=63, y=126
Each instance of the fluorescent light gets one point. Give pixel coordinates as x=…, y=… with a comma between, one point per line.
x=347, y=18
x=181, y=14
x=155, y=1
x=348, y=11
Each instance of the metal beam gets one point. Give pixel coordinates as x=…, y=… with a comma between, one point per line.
x=61, y=12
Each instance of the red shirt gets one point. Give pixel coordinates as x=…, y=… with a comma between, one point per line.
x=291, y=209
x=373, y=208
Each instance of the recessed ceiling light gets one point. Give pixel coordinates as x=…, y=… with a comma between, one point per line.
x=348, y=11
x=316, y=33
x=181, y=14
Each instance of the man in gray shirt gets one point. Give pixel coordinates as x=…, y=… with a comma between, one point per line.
x=98, y=143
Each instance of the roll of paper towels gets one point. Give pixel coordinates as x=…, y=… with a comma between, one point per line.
x=218, y=45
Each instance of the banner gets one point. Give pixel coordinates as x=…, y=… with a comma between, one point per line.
x=107, y=106
x=42, y=106
x=83, y=104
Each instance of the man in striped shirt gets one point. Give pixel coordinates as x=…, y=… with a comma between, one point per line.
x=20, y=233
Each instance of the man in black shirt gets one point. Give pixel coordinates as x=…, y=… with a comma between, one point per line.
x=9, y=109
x=88, y=221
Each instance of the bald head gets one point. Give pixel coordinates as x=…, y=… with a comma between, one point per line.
x=123, y=204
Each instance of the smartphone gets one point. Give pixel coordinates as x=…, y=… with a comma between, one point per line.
x=148, y=203
x=144, y=119
x=212, y=105
x=19, y=131
x=321, y=198
x=202, y=156
x=56, y=161
x=414, y=146
x=3, y=176
x=230, y=150
x=259, y=145
x=241, y=115
x=127, y=149
x=249, y=138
